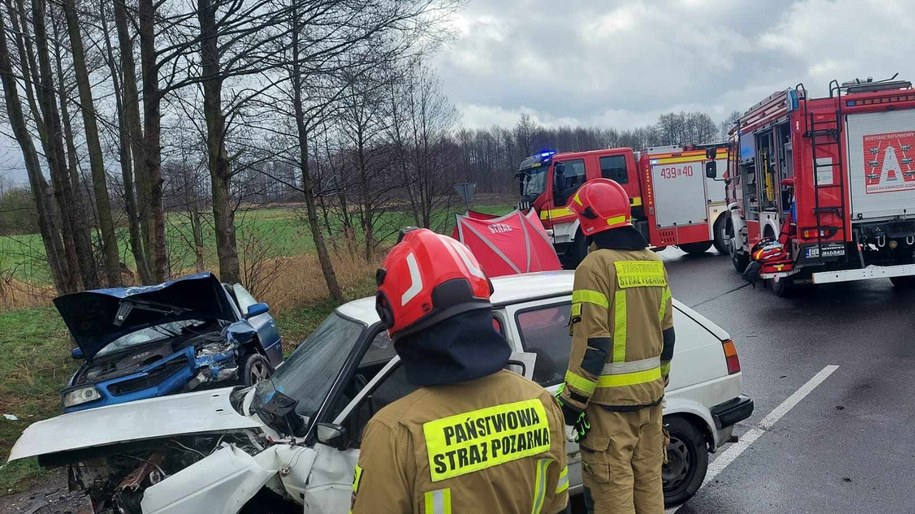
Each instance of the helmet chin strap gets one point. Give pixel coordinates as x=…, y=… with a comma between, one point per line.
x=460, y=348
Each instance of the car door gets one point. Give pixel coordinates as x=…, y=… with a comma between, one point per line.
x=264, y=324
x=542, y=327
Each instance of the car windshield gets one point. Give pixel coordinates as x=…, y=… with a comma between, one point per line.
x=534, y=181
x=148, y=335
x=308, y=374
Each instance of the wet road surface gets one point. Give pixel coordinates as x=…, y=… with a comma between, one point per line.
x=848, y=445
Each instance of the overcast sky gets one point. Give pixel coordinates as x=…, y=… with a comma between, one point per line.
x=622, y=63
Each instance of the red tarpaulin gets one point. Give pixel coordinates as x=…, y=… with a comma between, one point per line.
x=506, y=245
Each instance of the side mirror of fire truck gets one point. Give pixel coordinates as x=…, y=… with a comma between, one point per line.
x=711, y=169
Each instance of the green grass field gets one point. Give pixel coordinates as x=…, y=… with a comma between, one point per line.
x=281, y=231
x=36, y=347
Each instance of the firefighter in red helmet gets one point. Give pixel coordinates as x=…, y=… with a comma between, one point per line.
x=622, y=345
x=473, y=437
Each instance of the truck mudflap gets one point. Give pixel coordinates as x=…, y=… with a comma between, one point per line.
x=870, y=272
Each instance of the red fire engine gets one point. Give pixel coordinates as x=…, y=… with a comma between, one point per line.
x=827, y=185
x=673, y=202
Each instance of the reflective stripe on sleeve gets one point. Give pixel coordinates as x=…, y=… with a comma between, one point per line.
x=621, y=368
x=540, y=484
x=438, y=501
x=563, y=483
x=665, y=297
x=586, y=295
x=581, y=383
x=665, y=368
x=619, y=326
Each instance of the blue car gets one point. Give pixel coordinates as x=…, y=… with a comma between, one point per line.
x=148, y=341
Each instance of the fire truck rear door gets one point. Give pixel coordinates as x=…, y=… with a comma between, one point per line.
x=881, y=164
x=679, y=191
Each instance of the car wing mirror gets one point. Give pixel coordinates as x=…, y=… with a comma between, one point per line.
x=332, y=435
x=77, y=353
x=257, y=309
x=522, y=363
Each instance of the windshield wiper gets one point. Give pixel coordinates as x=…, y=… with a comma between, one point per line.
x=127, y=306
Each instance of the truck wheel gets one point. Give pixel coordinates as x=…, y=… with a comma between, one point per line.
x=781, y=287
x=576, y=252
x=906, y=282
x=687, y=461
x=739, y=260
x=696, y=248
x=722, y=239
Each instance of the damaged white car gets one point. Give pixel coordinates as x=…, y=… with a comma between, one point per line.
x=293, y=440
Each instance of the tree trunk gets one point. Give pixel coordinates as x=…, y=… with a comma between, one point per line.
x=152, y=156
x=46, y=223
x=197, y=233
x=76, y=241
x=327, y=267
x=96, y=160
x=218, y=163
x=124, y=146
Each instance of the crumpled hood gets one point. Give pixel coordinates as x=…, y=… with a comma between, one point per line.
x=90, y=315
x=189, y=413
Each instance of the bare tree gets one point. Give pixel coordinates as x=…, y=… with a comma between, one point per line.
x=96, y=161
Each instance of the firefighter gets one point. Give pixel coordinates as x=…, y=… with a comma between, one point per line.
x=473, y=437
x=622, y=344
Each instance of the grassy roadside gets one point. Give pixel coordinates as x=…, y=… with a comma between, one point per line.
x=35, y=365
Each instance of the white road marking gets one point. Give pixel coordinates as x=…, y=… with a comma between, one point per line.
x=728, y=456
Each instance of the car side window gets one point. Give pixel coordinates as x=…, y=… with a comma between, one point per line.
x=393, y=387
x=243, y=297
x=614, y=168
x=544, y=331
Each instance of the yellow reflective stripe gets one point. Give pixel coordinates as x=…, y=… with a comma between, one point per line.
x=635, y=201
x=616, y=220
x=540, y=484
x=665, y=368
x=619, y=326
x=640, y=274
x=356, y=478
x=556, y=213
x=438, y=501
x=479, y=439
x=581, y=383
x=665, y=297
x=586, y=295
x=563, y=483
x=577, y=199
x=628, y=379
x=576, y=310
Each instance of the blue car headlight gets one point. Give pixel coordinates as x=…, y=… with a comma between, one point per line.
x=80, y=396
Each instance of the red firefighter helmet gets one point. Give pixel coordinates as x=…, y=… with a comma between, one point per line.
x=426, y=278
x=601, y=204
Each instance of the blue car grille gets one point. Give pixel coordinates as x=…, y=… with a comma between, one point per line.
x=152, y=378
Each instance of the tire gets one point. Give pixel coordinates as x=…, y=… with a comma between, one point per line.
x=256, y=368
x=696, y=248
x=739, y=260
x=904, y=283
x=687, y=456
x=576, y=252
x=782, y=288
x=722, y=239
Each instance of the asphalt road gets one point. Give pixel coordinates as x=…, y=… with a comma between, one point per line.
x=849, y=445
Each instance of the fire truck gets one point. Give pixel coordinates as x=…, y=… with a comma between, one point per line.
x=830, y=182
x=673, y=201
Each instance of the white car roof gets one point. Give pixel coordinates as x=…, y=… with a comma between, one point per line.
x=520, y=288
x=506, y=290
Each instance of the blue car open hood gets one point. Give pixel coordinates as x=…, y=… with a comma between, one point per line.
x=92, y=316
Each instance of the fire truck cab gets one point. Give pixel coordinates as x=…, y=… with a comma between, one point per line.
x=673, y=202
x=830, y=181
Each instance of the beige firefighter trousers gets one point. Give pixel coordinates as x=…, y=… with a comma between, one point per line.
x=621, y=460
